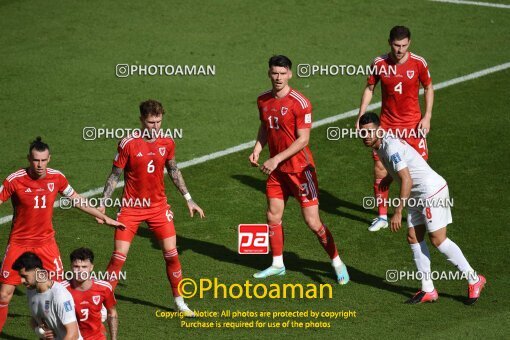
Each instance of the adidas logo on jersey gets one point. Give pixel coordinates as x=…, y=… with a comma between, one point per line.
x=139, y=154
x=28, y=190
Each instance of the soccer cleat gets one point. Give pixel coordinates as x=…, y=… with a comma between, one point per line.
x=184, y=309
x=378, y=223
x=422, y=297
x=271, y=271
x=475, y=289
x=342, y=275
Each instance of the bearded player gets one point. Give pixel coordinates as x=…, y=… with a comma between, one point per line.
x=400, y=109
x=420, y=183
x=89, y=296
x=286, y=120
x=143, y=159
x=33, y=192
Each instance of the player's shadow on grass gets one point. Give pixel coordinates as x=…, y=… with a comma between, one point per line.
x=317, y=271
x=329, y=203
x=139, y=301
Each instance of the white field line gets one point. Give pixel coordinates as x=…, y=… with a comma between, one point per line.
x=474, y=3
x=329, y=120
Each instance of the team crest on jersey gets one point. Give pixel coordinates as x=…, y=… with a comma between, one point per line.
x=177, y=274
x=51, y=186
x=47, y=306
x=410, y=74
x=395, y=158
x=284, y=110
x=67, y=306
x=96, y=299
x=162, y=151
x=5, y=274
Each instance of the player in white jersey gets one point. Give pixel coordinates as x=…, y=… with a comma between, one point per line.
x=425, y=193
x=51, y=305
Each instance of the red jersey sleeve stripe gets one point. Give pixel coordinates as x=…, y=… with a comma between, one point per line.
x=104, y=284
x=54, y=172
x=417, y=57
x=125, y=141
x=300, y=99
x=18, y=173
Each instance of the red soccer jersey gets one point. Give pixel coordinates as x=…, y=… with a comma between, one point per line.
x=144, y=165
x=33, y=200
x=282, y=117
x=88, y=306
x=400, y=104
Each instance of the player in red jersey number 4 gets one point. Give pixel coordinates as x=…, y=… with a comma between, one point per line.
x=286, y=120
x=400, y=73
x=144, y=158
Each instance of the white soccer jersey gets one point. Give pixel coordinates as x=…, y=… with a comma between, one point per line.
x=396, y=155
x=54, y=307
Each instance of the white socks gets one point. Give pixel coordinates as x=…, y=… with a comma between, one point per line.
x=421, y=257
x=336, y=262
x=179, y=301
x=455, y=256
x=278, y=261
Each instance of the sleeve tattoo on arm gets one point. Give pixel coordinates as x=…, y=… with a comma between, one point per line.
x=176, y=176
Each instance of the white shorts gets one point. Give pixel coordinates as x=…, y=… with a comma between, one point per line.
x=434, y=215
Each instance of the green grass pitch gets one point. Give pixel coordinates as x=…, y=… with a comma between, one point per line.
x=57, y=75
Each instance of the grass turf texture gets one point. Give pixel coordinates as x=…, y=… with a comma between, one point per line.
x=58, y=76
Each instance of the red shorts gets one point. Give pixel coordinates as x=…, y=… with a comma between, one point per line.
x=302, y=185
x=418, y=143
x=160, y=222
x=48, y=253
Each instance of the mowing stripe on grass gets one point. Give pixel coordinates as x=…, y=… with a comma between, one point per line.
x=316, y=124
x=474, y=3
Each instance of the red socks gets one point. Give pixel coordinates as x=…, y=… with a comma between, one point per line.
x=173, y=270
x=380, y=197
x=116, y=262
x=4, y=308
x=276, y=239
x=326, y=239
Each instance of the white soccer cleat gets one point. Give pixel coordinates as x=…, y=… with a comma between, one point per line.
x=183, y=308
x=271, y=271
x=378, y=223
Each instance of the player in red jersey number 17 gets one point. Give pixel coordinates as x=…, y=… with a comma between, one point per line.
x=143, y=159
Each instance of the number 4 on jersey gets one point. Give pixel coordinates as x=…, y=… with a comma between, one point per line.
x=398, y=88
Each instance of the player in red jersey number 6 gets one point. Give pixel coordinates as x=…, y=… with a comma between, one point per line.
x=143, y=159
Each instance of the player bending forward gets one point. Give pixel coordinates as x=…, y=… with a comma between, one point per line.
x=286, y=120
x=400, y=110
x=423, y=185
